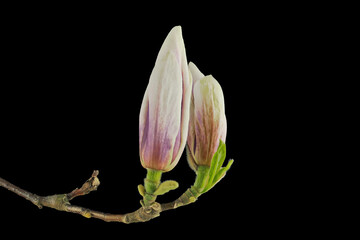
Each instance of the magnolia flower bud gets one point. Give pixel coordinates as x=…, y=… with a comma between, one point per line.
x=164, y=114
x=207, y=119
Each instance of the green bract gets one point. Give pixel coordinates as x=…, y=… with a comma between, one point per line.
x=207, y=177
x=217, y=172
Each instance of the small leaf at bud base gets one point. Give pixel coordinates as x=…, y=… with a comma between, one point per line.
x=219, y=175
x=141, y=190
x=216, y=172
x=166, y=187
x=217, y=161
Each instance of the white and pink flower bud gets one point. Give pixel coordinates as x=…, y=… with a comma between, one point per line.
x=207, y=119
x=164, y=114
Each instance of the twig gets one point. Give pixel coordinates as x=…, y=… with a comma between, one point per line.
x=90, y=185
x=21, y=192
x=188, y=197
x=61, y=202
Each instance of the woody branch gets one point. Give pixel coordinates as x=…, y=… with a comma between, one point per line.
x=61, y=202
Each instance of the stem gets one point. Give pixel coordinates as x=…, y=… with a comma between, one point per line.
x=151, y=183
x=192, y=193
x=21, y=192
x=148, y=211
x=61, y=202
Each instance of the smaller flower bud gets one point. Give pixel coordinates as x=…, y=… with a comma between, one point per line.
x=207, y=119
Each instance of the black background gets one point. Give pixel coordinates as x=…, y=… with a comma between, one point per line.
x=71, y=91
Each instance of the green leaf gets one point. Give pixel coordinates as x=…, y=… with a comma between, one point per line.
x=222, y=154
x=141, y=189
x=216, y=162
x=221, y=173
x=166, y=187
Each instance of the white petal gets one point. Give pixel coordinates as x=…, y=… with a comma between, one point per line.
x=195, y=72
x=174, y=43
